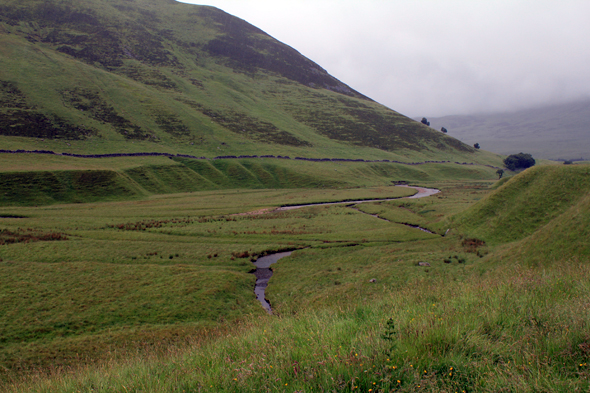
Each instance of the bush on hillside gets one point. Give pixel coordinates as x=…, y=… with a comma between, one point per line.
x=425, y=121
x=519, y=161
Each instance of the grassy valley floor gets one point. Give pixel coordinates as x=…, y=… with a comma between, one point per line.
x=154, y=294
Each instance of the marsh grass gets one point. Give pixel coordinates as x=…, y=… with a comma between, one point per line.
x=153, y=264
x=503, y=318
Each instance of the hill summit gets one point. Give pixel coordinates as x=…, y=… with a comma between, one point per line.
x=158, y=75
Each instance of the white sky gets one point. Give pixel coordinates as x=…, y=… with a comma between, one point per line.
x=438, y=57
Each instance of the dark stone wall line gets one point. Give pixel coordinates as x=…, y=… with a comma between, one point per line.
x=230, y=157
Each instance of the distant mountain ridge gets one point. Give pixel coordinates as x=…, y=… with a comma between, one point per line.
x=551, y=132
x=145, y=75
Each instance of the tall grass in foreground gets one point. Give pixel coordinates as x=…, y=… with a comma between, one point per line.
x=513, y=328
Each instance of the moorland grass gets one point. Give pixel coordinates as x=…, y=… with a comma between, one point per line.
x=479, y=318
x=44, y=188
x=512, y=328
x=565, y=237
x=188, y=233
x=166, y=260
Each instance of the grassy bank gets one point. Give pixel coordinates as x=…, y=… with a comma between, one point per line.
x=526, y=203
x=84, y=180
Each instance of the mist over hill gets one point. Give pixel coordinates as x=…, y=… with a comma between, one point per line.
x=158, y=75
x=551, y=132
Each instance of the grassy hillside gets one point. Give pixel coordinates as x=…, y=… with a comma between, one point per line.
x=526, y=203
x=566, y=237
x=552, y=132
x=154, y=75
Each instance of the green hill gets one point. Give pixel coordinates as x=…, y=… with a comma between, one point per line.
x=564, y=238
x=106, y=76
x=537, y=201
x=133, y=273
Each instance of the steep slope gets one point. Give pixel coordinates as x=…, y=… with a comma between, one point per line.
x=157, y=75
x=564, y=238
x=551, y=132
x=538, y=201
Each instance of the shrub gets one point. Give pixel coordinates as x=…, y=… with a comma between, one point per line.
x=243, y=254
x=519, y=161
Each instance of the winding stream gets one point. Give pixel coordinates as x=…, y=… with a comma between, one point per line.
x=263, y=271
x=422, y=192
x=263, y=274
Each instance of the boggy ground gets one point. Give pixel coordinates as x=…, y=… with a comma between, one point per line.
x=80, y=280
x=474, y=320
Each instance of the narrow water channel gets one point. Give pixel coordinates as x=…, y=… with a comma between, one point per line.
x=385, y=219
x=263, y=274
x=263, y=271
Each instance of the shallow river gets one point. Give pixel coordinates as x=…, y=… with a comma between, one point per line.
x=263, y=271
x=263, y=274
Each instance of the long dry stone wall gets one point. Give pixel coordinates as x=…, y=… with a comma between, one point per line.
x=228, y=157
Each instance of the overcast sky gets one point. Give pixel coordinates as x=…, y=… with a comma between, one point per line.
x=435, y=57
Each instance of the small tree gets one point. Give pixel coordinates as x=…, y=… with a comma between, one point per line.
x=444, y=130
x=476, y=145
x=500, y=172
x=519, y=161
x=425, y=121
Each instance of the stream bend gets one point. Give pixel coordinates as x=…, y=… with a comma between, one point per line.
x=263, y=271
x=422, y=192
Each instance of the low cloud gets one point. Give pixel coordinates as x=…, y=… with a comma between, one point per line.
x=433, y=58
